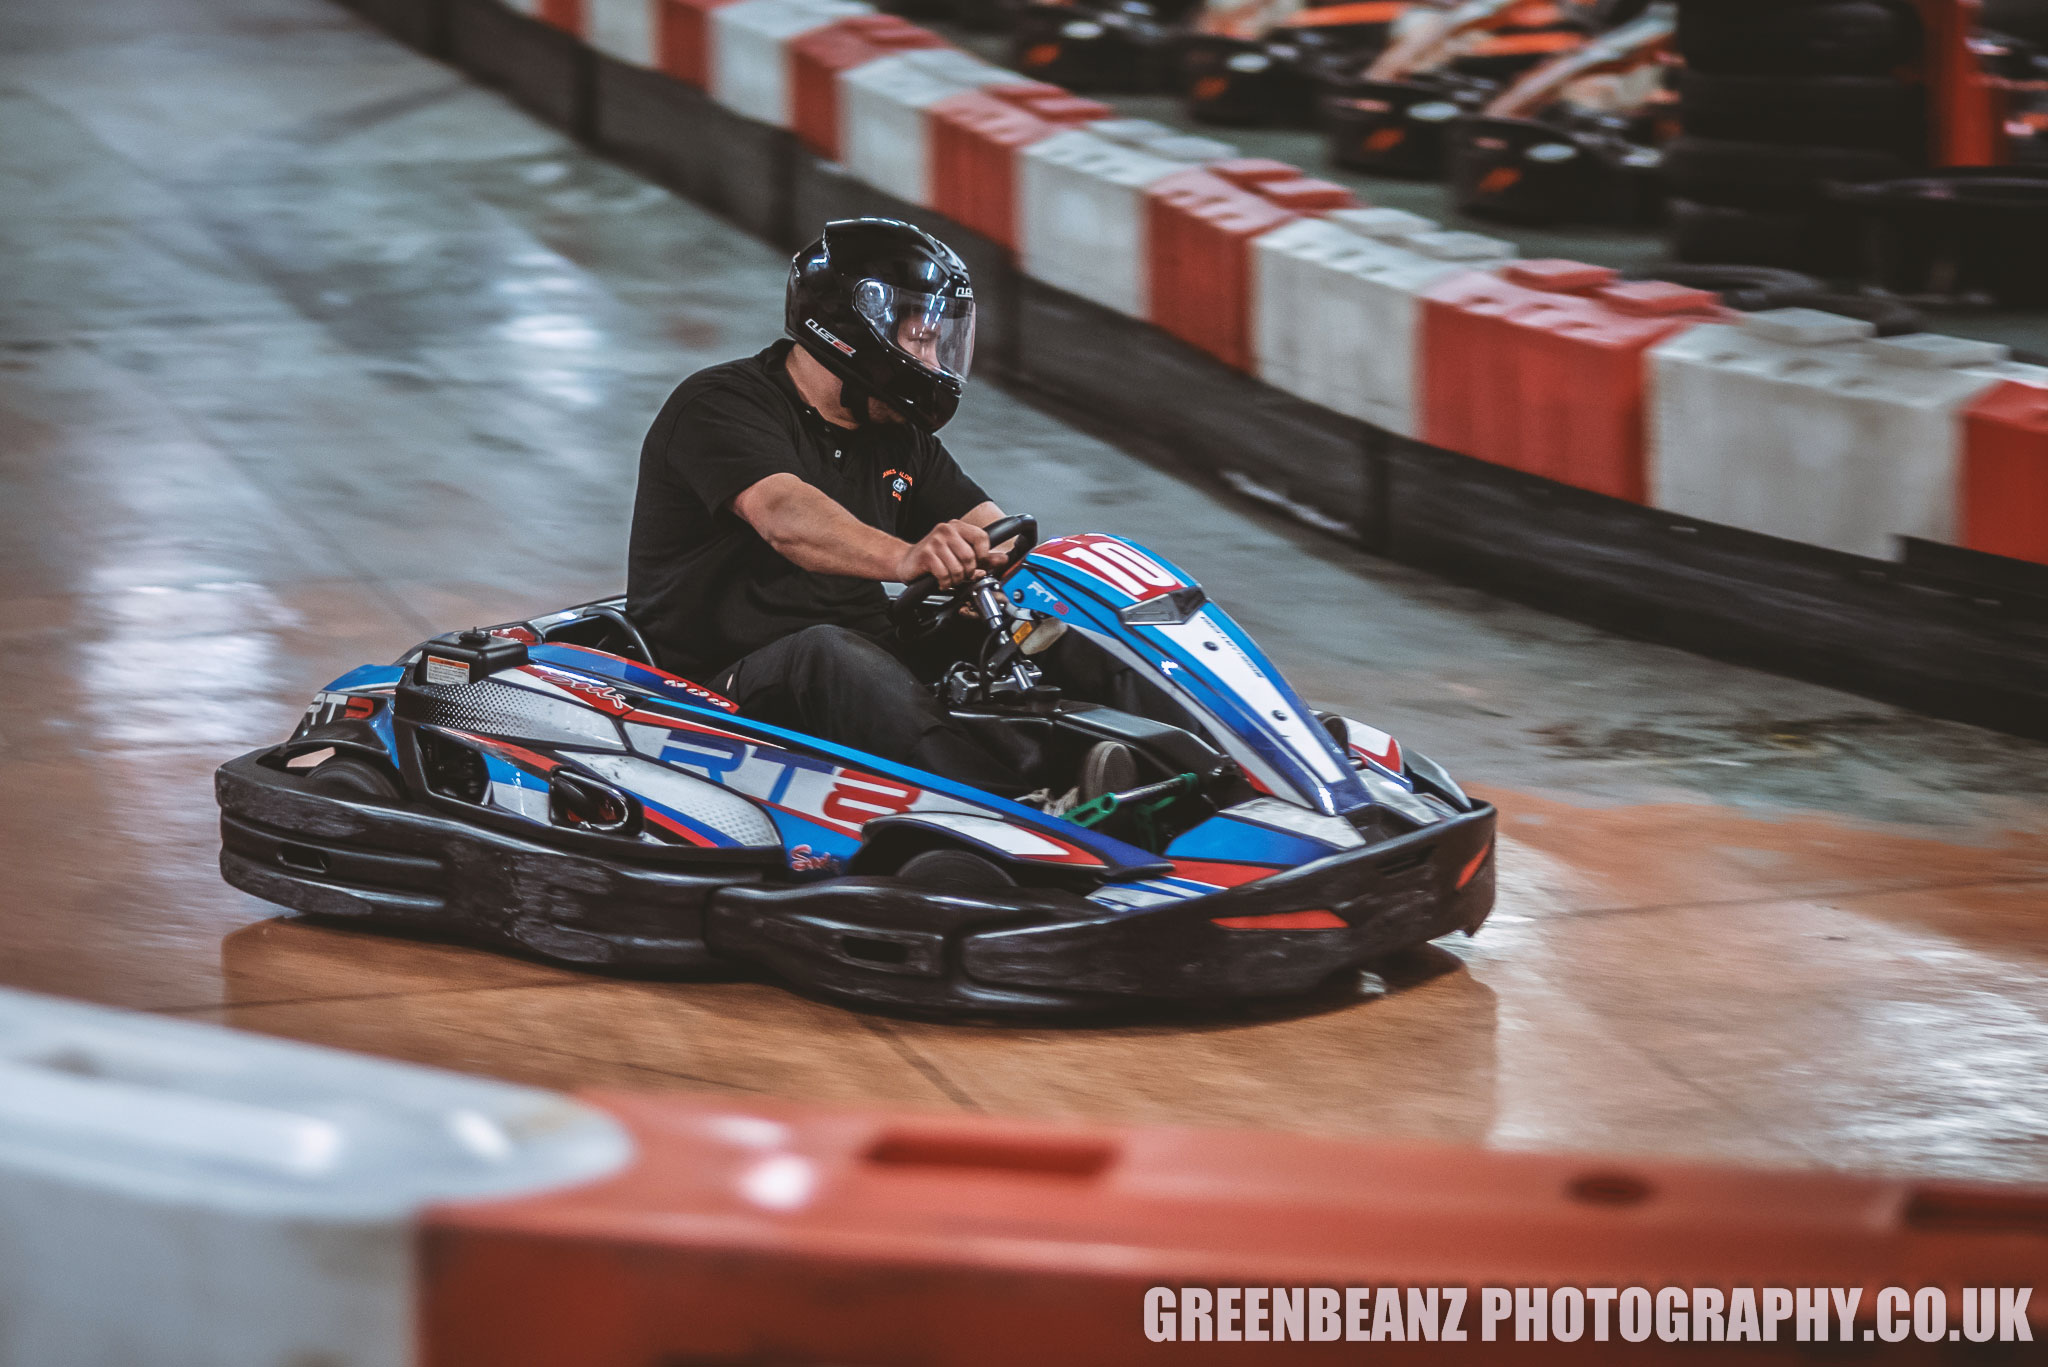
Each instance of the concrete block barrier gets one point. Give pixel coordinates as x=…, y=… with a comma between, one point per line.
x=2005, y=472
x=1200, y=227
x=884, y=131
x=750, y=60
x=1539, y=367
x=1083, y=216
x=1800, y=425
x=767, y=1231
x=682, y=31
x=625, y=29
x=816, y=59
x=187, y=1196
x=1336, y=307
x=976, y=137
x=1189, y=411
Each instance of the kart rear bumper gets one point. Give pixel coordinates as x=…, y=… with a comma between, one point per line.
x=406, y=867
x=872, y=940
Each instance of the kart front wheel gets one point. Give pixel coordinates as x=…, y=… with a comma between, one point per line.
x=354, y=779
x=954, y=871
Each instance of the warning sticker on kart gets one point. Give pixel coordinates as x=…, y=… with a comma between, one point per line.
x=440, y=670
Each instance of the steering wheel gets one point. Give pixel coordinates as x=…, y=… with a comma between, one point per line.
x=913, y=617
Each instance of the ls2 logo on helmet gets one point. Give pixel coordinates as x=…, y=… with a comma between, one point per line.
x=812, y=324
x=898, y=482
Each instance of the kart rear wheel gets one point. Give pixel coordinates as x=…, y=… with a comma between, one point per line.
x=954, y=871
x=355, y=779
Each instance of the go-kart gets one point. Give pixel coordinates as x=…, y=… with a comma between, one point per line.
x=1577, y=139
x=1392, y=119
x=543, y=786
x=1265, y=64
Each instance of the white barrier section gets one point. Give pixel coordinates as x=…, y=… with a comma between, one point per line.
x=1336, y=307
x=1797, y=424
x=180, y=1195
x=749, y=64
x=622, y=28
x=1081, y=211
x=882, y=134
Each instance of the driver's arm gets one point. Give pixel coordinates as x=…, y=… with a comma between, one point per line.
x=813, y=532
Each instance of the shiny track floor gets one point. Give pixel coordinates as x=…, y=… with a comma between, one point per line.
x=309, y=349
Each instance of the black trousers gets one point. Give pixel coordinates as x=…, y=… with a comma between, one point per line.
x=843, y=686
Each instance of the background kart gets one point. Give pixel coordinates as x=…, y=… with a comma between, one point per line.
x=542, y=786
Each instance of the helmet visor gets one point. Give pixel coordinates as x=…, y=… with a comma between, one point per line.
x=935, y=330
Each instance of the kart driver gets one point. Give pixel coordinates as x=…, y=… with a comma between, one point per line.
x=777, y=494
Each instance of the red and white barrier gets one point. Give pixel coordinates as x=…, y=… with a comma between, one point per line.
x=1200, y=226
x=1376, y=314
x=1336, y=307
x=816, y=59
x=1539, y=367
x=625, y=29
x=682, y=31
x=1082, y=215
x=976, y=138
x=884, y=132
x=566, y=15
x=1797, y=424
x=750, y=62
x=2005, y=472
x=182, y=1195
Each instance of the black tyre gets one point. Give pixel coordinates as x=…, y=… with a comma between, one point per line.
x=1798, y=37
x=954, y=871
x=1765, y=176
x=2021, y=18
x=1869, y=112
x=1748, y=288
x=1791, y=240
x=353, y=778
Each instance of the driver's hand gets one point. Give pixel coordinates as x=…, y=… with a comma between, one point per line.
x=950, y=552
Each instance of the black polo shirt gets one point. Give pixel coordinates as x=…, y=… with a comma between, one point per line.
x=701, y=584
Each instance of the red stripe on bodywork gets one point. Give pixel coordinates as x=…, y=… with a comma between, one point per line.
x=694, y=837
x=518, y=754
x=1471, y=870
x=1221, y=875
x=1284, y=920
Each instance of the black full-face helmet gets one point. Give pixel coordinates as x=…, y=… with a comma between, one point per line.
x=889, y=309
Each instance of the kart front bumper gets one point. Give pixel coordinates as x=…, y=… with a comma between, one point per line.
x=869, y=940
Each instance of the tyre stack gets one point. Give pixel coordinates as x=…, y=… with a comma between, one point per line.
x=1780, y=98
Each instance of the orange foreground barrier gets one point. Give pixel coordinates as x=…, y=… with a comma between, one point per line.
x=1540, y=367
x=2004, y=498
x=767, y=1232
x=1200, y=224
x=816, y=59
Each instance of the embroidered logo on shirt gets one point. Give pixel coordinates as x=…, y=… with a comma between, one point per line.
x=899, y=483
